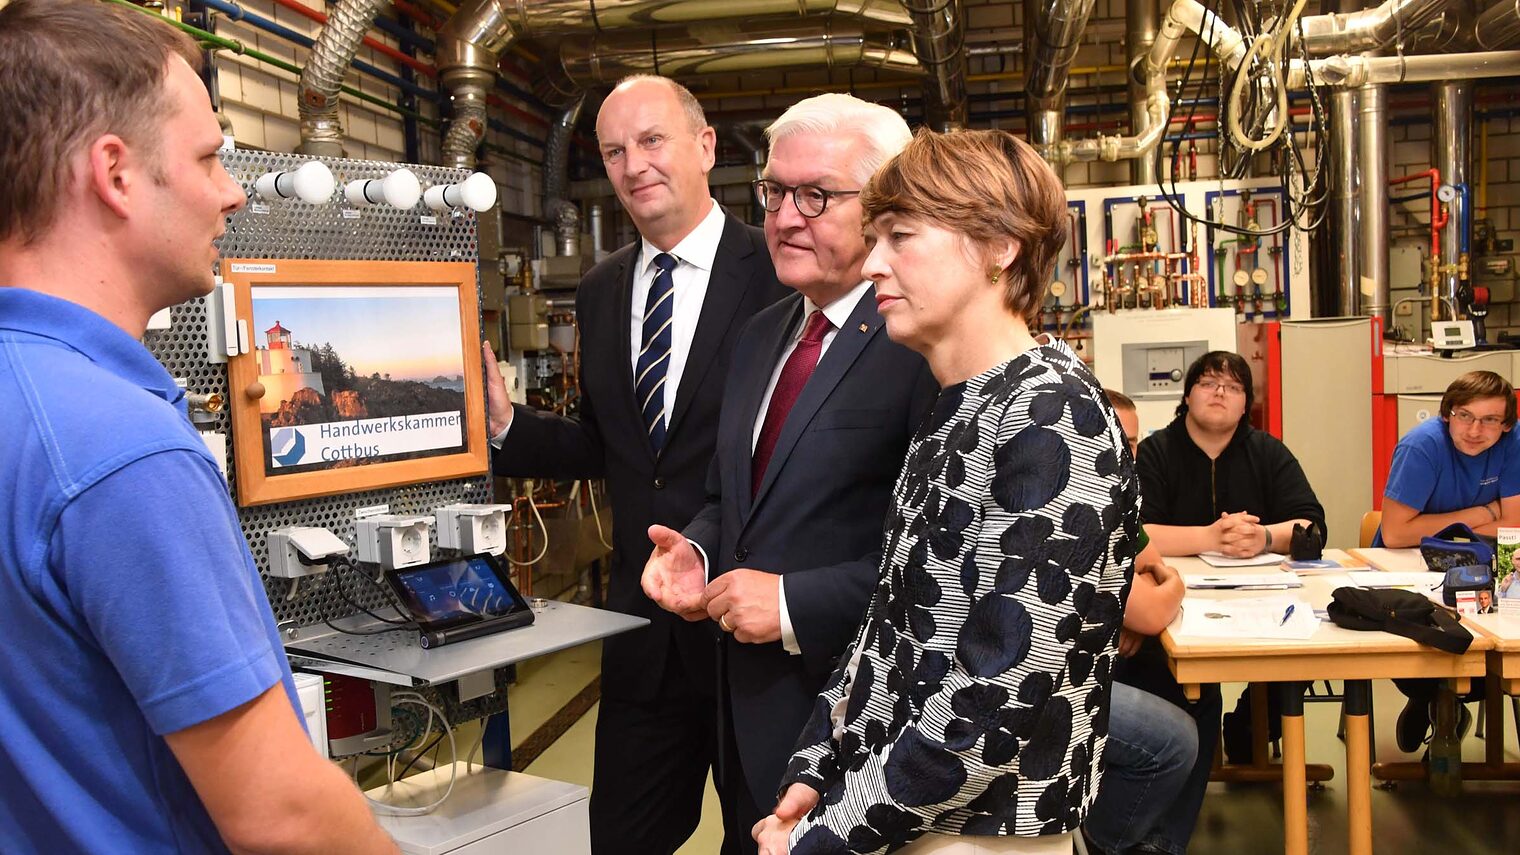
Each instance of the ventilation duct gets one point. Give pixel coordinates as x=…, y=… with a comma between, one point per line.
x=939, y=41
x=558, y=209
x=322, y=78
x=1053, y=32
x=1140, y=17
x=727, y=48
x=1368, y=29
x=1499, y=26
x=471, y=43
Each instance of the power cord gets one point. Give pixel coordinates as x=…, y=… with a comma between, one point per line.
x=388, y=809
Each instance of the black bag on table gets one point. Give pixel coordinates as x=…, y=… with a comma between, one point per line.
x=1402, y=613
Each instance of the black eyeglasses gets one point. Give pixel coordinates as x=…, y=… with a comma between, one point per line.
x=810, y=199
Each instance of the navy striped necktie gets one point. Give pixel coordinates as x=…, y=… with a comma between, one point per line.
x=654, y=352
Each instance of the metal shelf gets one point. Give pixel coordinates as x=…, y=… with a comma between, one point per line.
x=395, y=657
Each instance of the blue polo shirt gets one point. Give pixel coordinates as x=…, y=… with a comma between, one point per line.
x=1429, y=474
x=131, y=606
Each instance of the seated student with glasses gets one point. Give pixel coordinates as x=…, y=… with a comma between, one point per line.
x=1212, y=483
x=1461, y=468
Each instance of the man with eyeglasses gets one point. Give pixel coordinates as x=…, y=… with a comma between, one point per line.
x=817, y=413
x=1461, y=468
x=657, y=323
x=1213, y=483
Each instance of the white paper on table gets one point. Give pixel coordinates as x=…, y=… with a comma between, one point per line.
x=1256, y=617
x=1219, y=559
x=1262, y=581
x=1416, y=581
x=1394, y=560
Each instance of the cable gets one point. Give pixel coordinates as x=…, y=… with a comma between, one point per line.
x=393, y=810
x=596, y=514
x=543, y=528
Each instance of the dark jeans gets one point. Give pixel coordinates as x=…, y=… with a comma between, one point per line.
x=1151, y=749
x=1147, y=670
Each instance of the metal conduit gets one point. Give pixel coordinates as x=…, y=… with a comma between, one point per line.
x=1140, y=23
x=1372, y=201
x=1355, y=71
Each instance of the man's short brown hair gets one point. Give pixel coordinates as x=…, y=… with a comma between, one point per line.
x=71, y=70
x=1119, y=401
x=1479, y=384
x=991, y=187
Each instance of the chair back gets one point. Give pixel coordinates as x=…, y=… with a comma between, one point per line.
x=1370, y=522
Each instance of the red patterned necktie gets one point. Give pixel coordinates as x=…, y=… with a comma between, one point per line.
x=794, y=375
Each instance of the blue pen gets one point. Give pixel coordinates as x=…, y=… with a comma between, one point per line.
x=1287, y=613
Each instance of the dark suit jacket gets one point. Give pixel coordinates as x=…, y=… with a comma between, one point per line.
x=609, y=441
x=818, y=517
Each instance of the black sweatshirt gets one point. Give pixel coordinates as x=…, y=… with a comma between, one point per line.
x=1180, y=485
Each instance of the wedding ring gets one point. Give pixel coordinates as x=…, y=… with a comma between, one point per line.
x=723, y=622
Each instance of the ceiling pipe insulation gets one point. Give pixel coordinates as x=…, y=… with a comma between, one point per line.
x=730, y=47
x=322, y=77
x=939, y=42
x=1368, y=29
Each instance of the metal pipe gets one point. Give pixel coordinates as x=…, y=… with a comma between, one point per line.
x=731, y=48
x=939, y=42
x=1372, y=198
x=1344, y=226
x=1356, y=71
x=1451, y=153
x=1140, y=23
x=1052, y=34
x=322, y=77
x=1367, y=29
x=598, y=246
x=1499, y=26
x=558, y=209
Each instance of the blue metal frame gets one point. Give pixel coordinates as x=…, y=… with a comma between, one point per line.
x=1275, y=193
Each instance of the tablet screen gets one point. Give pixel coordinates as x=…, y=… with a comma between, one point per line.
x=458, y=591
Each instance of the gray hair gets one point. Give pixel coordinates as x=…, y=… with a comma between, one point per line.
x=689, y=103
x=882, y=129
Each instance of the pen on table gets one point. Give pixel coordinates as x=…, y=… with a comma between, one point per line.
x=1287, y=613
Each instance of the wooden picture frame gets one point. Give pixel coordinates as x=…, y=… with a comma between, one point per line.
x=343, y=296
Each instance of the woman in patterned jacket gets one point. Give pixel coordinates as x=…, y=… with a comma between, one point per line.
x=971, y=713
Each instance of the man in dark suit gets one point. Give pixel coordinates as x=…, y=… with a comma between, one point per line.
x=657, y=321
x=817, y=413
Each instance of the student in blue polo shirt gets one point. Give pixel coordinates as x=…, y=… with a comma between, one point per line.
x=146, y=705
x=1461, y=468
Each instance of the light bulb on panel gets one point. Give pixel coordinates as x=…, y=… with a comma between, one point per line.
x=478, y=193
x=313, y=183
x=400, y=189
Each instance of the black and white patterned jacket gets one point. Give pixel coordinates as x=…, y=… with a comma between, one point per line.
x=975, y=699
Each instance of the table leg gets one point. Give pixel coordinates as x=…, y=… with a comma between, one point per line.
x=1493, y=743
x=1260, y=735
x=1358, y=706
x=1295, y=782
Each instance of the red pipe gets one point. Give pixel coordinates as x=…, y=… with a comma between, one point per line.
x=1438, y=216
x=421, y=16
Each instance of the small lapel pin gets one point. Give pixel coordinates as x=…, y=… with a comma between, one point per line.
x=864, y=328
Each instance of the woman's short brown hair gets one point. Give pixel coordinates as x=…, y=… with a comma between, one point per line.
x=991, y=187
x=71, y=70
x=1479, y=384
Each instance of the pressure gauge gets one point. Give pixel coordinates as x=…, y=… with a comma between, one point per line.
x=1259, y=276
x=1446, y=193
x=1241, y=278
x=1058, y=289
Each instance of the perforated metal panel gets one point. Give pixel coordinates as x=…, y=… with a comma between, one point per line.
x=294, y=229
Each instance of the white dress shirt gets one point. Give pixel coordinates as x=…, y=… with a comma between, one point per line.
x=694, y=256
x=694, y=261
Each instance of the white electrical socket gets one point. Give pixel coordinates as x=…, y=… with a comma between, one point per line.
x=297, y=551
x=394, y=541
x=473, y=529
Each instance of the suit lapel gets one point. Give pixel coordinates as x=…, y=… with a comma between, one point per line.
x=624, y=362
x=771, y=346
x=730, y=278
x=846, y=347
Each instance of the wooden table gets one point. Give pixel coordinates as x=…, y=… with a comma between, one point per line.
x=1332, y=653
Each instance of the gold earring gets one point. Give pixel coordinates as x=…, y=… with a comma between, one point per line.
x=994, y=275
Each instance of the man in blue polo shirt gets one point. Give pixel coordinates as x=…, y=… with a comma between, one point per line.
x=146, y=704
x=1461, y=468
